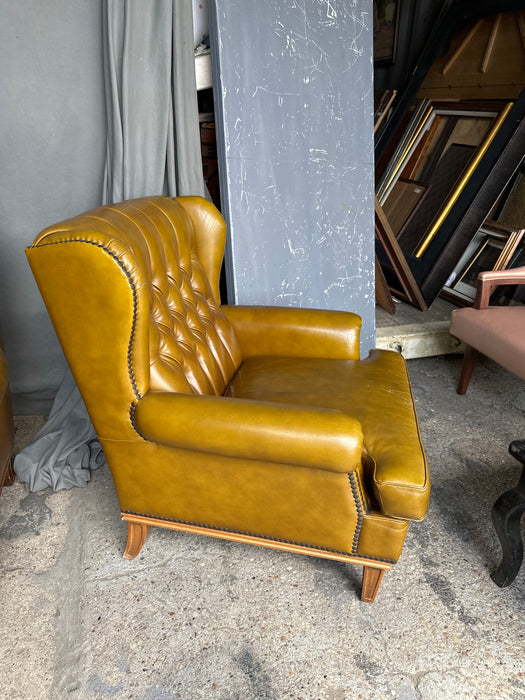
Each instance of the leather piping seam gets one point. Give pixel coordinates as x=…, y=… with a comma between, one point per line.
x=132, y=409
x=261, y=537
x=364, y=499
x=359, y=508
x=134, y=294
x=410, y=487
x=424, y=485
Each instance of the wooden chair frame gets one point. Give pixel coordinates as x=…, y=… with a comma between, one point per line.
x=139, y=527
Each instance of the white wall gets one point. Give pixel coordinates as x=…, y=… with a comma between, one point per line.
x=52, y=149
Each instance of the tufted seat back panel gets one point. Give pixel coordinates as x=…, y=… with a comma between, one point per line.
x=179, y=327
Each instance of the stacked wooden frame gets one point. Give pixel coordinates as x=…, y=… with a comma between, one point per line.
x=450, y=149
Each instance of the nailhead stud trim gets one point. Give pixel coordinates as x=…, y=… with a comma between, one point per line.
x=262, y=537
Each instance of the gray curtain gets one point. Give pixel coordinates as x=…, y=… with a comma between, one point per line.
x=153, y=147
x=153, y=122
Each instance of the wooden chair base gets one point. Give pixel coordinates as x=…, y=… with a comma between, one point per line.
x=469, y=360
x=139, y=527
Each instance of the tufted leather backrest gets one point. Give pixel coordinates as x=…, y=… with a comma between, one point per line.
x=170, y=251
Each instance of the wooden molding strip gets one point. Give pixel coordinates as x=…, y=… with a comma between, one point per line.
x=490, y=46
x=521, y=26
x=409, y=287
x=146, y=521
x=385, y=110
x=483, y=148
x=460, y=48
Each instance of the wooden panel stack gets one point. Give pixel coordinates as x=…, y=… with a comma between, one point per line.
x=460, y=136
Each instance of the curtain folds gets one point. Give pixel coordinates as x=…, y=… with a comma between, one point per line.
x=153, y=143
x=66, y=449
x=153, y=147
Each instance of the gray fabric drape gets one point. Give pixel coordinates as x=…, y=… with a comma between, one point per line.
x=153, y=122
x=66, y=449
x=153, y=147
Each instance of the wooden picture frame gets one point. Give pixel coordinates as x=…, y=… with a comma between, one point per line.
x=463, y=180
x=492, y=248
x=443, y=183
x=386, y=29
x=383, y=295
x=475, y=197
x=383, y=108
x=452, y=18
x=476, y=201
x=409, y=139
x=478, y=194
x=442, y=145
x=505, y=294
x=397, y=274
x=405, y=199
x=447, y=159
x=481, y=254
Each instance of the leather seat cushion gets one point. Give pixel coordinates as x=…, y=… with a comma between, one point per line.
x=377, y=392
x=498, y=332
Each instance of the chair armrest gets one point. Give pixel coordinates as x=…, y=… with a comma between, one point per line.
x=294, y=332
x=492, y=278
x=238, y=428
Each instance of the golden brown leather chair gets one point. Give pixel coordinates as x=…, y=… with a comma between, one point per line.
x=254, y=424
x=7, y=475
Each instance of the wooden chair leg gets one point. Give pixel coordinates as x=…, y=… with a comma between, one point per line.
x=9, y=476
x=372, y=577
x=137, y=533
x=469, y=359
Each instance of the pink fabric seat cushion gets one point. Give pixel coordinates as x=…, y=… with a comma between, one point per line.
x=498, y=332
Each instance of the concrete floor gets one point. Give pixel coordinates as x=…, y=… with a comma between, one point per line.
x=194, y=617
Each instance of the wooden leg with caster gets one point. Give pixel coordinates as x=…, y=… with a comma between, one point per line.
x=372, y=578
x=137, y=533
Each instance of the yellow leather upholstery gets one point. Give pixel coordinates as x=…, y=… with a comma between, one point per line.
x=376, y=392
x=258, y=422
x=263, y=330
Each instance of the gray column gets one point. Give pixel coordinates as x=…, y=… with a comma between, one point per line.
x=293, y=91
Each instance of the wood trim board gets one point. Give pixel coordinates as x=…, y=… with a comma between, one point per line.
x=400, y=279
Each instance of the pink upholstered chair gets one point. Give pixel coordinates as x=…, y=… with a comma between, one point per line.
x=496, y=331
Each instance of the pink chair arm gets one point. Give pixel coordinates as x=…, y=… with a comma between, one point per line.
x=491, y=278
